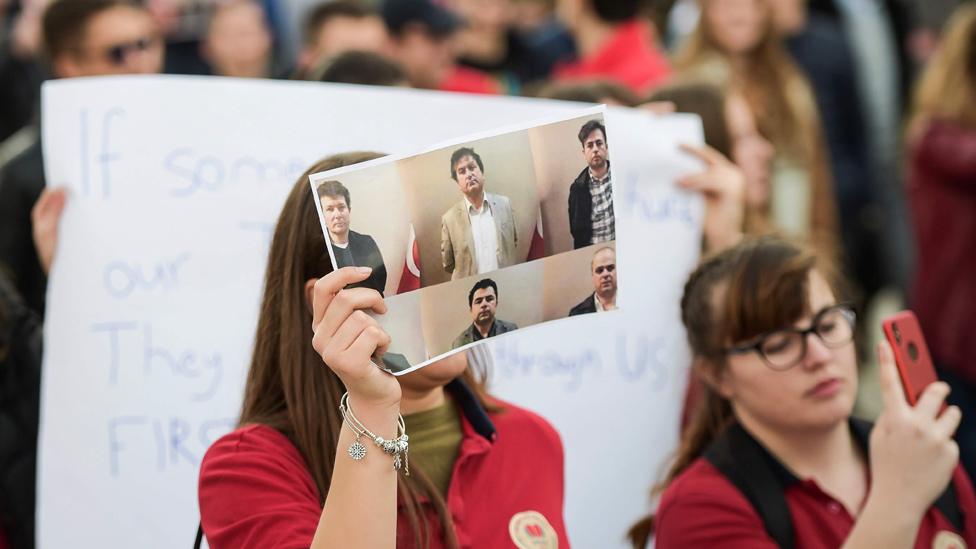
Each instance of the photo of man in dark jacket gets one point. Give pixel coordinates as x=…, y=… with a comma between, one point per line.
x=591, y=219
x=350, y=248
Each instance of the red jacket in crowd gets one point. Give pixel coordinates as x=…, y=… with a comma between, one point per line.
x=465, y=80
x=942, y=191
x=629, y=57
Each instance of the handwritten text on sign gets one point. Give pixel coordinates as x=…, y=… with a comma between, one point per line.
x=154, y=294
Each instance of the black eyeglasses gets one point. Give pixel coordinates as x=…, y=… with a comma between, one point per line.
x=608, y=268
x=783, y=349
x=117, y=54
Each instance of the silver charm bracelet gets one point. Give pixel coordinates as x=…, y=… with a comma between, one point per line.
x=396, y=447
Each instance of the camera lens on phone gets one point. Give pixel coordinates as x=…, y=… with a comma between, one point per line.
x=897, y=332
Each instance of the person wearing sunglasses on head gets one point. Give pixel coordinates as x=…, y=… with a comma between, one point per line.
x=773, y=457
x=603, y=267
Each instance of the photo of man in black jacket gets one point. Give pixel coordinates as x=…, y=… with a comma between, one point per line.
x=350, y=248
x=591, y=219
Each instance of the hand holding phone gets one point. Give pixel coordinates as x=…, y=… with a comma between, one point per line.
x=912, y=358
x=912, y=454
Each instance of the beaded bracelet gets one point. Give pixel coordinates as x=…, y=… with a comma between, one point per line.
x=396, y=447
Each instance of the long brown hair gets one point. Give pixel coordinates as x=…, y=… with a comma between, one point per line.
x=783, y=103
x=755, y=287
x=288, y=387
x=948, y=85
x=769, y=79
x=707, y=100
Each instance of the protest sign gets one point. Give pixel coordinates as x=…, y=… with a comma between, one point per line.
x=175, y=184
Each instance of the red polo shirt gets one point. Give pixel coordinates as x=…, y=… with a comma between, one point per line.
x=701, y=508
x=628, y=57
x=256, y=492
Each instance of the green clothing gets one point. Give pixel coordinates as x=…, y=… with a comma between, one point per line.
x=471, y=333
x=435, y=439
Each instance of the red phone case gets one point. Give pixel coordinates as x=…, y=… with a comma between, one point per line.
x=911, y=353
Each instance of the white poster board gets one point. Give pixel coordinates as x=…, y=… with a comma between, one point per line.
x=175, y=184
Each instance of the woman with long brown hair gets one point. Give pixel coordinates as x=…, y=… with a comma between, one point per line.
x=735, y=44
x=482, y=473
x=773, y=457
x=731, y=130
x=942, y=196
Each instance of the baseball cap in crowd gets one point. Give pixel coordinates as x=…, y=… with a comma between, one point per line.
x=439, y=20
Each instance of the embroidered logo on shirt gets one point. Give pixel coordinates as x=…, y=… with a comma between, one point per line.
x=531, y=530
x=948, y=540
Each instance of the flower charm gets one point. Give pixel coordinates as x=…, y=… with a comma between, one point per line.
x=356, y=450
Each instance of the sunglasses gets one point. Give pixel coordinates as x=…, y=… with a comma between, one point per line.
x=118, y=53
x=607, y=268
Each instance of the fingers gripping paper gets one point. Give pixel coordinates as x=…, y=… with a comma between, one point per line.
x=154, y=294
x=465, y=204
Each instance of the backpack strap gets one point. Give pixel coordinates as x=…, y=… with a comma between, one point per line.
x=746, y=465
x=763, y=480
x=948, y=505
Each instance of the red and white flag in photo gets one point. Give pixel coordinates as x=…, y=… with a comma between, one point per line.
x=537, y=250
x=410, y=279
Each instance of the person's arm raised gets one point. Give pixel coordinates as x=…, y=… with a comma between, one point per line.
x=361, y=507
x=912, y=459
x=45, y=218
x=722, y=185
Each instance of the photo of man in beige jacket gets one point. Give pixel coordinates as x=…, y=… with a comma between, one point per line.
x=479, y=233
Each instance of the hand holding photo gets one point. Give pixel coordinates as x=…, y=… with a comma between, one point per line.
x=350, y=248
x=489, y=250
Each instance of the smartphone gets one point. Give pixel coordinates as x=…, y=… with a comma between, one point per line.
x=911, y=353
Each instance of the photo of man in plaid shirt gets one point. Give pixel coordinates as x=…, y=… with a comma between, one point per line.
x=591, y=218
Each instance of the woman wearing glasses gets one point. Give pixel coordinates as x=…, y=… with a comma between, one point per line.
x=772, y=457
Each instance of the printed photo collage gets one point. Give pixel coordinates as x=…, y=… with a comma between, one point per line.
x=480, y=238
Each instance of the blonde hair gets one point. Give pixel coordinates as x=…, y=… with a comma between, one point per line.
x=772, y=84
x=782, y=102
x=948, y=86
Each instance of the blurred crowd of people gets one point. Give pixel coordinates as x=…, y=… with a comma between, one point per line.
x=808, y=97
x=850, y=123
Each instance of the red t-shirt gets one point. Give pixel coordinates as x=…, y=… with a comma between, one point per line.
x=702, y=508
x=465, y=80
x=628, y=57
x=256, y=492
